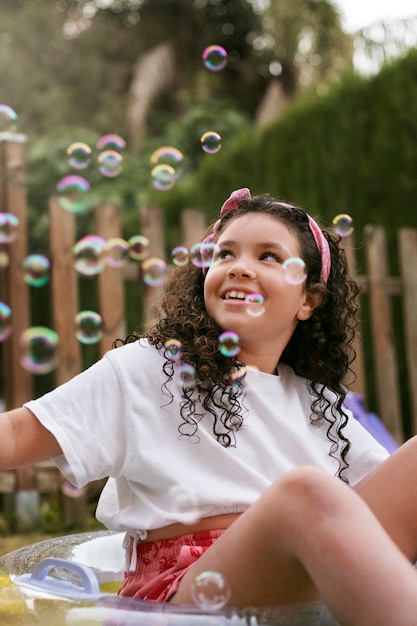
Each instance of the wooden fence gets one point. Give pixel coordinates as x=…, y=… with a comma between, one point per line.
x=378, y=370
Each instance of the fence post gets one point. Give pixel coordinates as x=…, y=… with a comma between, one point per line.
x=408, y=261
x=382, y=333
x=152, y=227
x=13, y=289
x=64, y=289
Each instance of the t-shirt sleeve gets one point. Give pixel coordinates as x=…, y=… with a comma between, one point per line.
x=86, y=417
x=365, y=454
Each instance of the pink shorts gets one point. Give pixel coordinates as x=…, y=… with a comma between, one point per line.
x=162, y=564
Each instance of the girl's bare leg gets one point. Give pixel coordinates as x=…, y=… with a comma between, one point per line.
x=391, y=493
x=309, y=527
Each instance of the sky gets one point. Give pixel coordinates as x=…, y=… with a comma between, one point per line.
x=357, y=14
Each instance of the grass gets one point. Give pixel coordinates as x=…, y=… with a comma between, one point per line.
x=15, y=541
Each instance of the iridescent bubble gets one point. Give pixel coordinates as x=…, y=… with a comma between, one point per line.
x=110, y=163
x=343, y=224
x=163, y=177
x=210, y=591
x=188, y=375
x=195, y=255
x=295, y=270
x=88, y=327
x=215, y=58
x=180, y=256
x=79, y=155
x=5, y=321
x=167, y=155
x=9, y=225
x=36, y=269
x=111, y=142
x=154, y=271
x=254, y=305
x=138, y=247
x=229, y=343
x=208, y=252
x=39, y=350
x=116, y=252
x=173, y=349
x=89, y=255
x=70, y=491
x=72, y=191
x=211, y=142
x=184, y=503
x=8, y=119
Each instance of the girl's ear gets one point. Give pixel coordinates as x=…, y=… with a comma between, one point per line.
x=311, y=301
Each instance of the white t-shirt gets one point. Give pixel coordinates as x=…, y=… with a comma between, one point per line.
x=116, y=420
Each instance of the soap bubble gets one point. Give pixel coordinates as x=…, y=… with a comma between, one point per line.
x=89, y=255
x=210, y=591
x=343, y=225
x=295, y=270
x=174, y=349
x=188, y=375
x=163, y=177
x=211, y=142
x=79, y=155
x=184, y=503
x=5, y=321
x=9, y=225
x=88, y=327
x=39, y=350
x=168, y=155
x=154, y=271
x=72, y=190
x=110, y=163
x=254, y=305
x=36, y=270
x=229, y=343
x=138, y=247
x=8, y=119
x=116, y=252
x=180, y=256
x=201, y=254
x=111, y=142
x=215, y=58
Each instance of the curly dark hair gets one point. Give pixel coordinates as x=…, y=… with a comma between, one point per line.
x=320, y=349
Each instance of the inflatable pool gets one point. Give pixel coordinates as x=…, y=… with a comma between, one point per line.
x=73, y=581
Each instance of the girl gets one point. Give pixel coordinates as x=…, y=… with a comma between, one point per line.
x=190, y=456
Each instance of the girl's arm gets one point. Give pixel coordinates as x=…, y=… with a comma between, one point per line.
x=24, y=441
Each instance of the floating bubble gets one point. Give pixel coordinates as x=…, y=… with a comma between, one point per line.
x=188, y=375
x=89, y=255
x=215, y=58
x=211, y=142
x=8, y=119
x=111, y=142
x=88, y=327
x=138, y=247
x=70, y=491
x=210, y=591
x=343, y=224
x=201, y=254
x=154, y=271
x=229, y=343
x=36, y=269
x=116, y=252
x=167, y=155
x=9, y=226
x=180, y=256
x=110, y=163
x=173, y=349
x=254, y=305
x=163, y=177
x=39, y=350
x=5, y=321
x=184, y=503
x=72, y=191
x=295, y=270
x=79, y=155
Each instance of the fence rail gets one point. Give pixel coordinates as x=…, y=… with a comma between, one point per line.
x=377, y=368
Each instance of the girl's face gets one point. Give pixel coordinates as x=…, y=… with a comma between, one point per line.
x=252, y=250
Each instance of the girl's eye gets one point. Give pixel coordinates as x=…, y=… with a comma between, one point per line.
x=224, y=254
x=270, y=256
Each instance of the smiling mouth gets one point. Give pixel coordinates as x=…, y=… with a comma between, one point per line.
x=235, y=295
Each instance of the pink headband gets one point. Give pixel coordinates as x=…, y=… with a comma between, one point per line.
x=231, y=204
